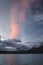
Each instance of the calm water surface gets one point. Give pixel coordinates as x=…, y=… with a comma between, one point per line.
x=21, y=59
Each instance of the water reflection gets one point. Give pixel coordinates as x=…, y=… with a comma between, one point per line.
x=21, y=59
x=11, y=59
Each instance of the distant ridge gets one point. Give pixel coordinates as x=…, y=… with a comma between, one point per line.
x=16, y=46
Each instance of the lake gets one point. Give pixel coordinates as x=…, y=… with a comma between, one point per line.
x=21, y=59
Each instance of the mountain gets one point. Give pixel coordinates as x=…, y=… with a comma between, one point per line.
x=15, y=45
x=12, y=45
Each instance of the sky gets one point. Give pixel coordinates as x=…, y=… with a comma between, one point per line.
x=21, y=19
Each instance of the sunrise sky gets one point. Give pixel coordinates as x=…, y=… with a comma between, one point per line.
x=21, y=19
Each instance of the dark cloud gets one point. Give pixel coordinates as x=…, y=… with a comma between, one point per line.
x=36, y=6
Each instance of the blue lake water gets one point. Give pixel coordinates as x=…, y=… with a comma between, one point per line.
x=21, y=59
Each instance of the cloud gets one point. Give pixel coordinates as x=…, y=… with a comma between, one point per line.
x=36, y=6
x=22, y=20
x=14, y=30
x=13, y=22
